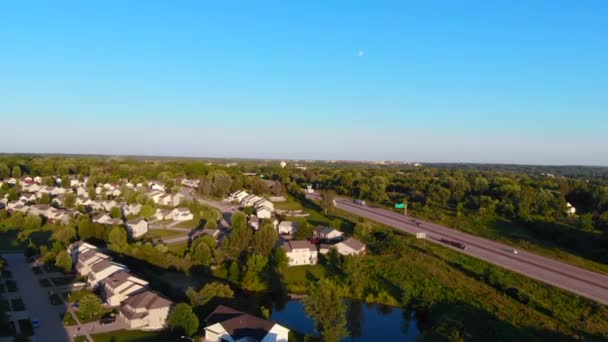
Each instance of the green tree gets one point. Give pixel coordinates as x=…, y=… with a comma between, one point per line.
x=327, y=200
x=280, y=260
x=585, y=222
x=363, y=230
x=115, y=212
x=118, y=239
x=211, y=224
x=32, y=222
x=305, y=231
x=325, y=306
x=252, y=279
x=183, y=319
x=5, y=171
x=208, y=292
x=69, y=200
x=147, y=211
x=66, y=182
x=234, y=273
x=265, y=239
x=44, y=199
x=16, y=172
x=63, y=261
x=201, y=254
x=240, y=236
x=90, y=305
x=64, y=235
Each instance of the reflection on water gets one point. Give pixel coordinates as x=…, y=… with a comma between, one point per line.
x=365, y=322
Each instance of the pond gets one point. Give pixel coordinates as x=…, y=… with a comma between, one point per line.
x=366, y=322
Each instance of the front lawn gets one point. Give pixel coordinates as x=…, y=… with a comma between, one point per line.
x=155, y=234
x=178, y=248
x=297, y=278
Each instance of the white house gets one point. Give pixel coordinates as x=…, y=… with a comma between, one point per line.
x=238, y=196
x=137, y=227
x=288, y=228
x=350, y=246
x=180, y=214
x=131, y=209
x=119, y=286
x=157, y=186
x=300, y=252
x=145, y=310
x=263, y=212
x=327, y=233
x=101, y=270
x=227, y=324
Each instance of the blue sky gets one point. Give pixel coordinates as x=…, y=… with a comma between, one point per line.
x=453, y=81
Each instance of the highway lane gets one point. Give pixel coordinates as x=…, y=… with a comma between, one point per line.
x=577, y=280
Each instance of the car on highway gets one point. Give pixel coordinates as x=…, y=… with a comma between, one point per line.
x=514, y=251
x=35, y=323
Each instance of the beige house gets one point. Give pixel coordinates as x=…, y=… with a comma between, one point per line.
x=101, y=270
x=287, y=228
x=137, y=227
x=300, y=252
x=180, y=214
x=227, y=324
x=327, y=233
x=350, y=246
x=87, y=259
x=79, y=247
x=146, y=310
x=119, y=286
x=263, y=212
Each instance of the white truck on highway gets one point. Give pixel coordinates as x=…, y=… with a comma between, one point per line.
x=359, y=202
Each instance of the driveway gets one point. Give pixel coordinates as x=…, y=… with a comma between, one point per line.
x=37, y=303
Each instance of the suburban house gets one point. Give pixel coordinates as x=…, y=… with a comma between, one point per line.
x=227, y=324
x=137, y=227
x=119, y=286
x=263, y=212
x=87, y=259
x=327, y=233
x=157, y=186
x=180, y=214
x=106, y=219
x=27, y=198
x=131, y=209
x=77, y=248
x=288, y=228
x=145, y=310
x=162, y=214
x=170, y=200
x=101, y=270
x=300, y=252
x=40, y=209
x=350, y=246
x=238, y=196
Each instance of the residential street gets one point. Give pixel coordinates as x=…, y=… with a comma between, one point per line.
x=36, y=301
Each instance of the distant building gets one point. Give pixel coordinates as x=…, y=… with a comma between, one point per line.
x=350, y=246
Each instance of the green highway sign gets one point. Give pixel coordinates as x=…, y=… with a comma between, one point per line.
x=399, y=205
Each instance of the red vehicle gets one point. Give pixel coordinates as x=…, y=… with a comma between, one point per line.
x=456, y=244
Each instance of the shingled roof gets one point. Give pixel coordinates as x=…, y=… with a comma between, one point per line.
x=239, y=324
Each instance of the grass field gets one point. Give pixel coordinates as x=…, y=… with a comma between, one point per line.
x=154, y=234
x=178, y=248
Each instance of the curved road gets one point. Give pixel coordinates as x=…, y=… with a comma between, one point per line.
x=577, y=280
